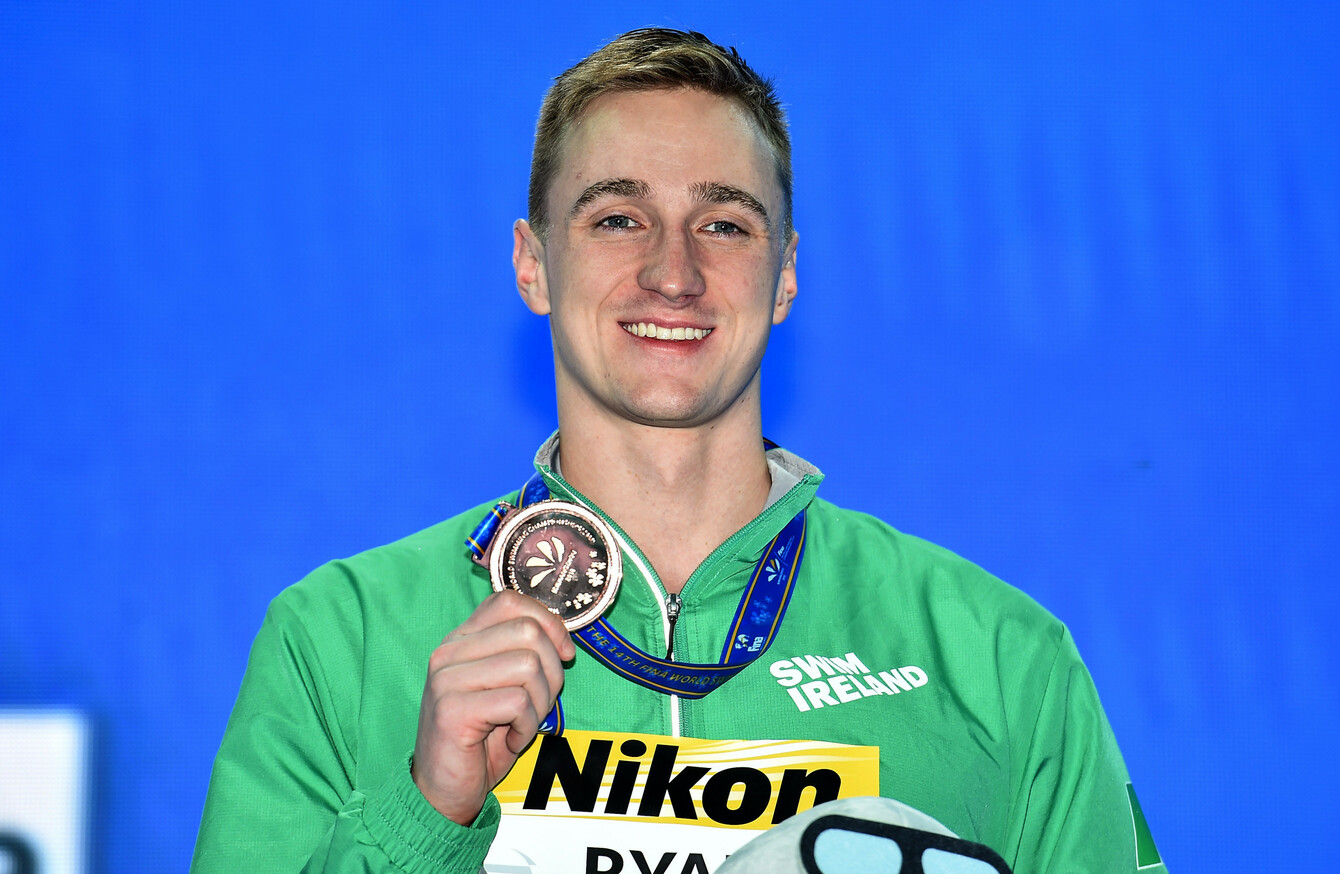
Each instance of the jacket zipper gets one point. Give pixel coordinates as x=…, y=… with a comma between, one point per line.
x=653, y=582
x=672, y=605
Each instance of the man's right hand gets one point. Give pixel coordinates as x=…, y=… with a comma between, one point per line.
x=489, y=684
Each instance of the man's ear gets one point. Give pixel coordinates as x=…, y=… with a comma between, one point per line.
x=786, y=282
x=528, y=262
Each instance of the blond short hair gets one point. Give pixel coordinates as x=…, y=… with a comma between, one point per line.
x=654, y=59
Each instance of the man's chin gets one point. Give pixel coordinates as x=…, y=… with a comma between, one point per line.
x=667, y=419
x=670, y=411
x=680, y=405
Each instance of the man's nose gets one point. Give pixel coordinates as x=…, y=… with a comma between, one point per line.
x=672, y=268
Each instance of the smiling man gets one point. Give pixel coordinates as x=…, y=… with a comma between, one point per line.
x=664, y=643
x=662, y=273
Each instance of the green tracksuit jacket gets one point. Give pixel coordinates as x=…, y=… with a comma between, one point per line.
x=1000, y=736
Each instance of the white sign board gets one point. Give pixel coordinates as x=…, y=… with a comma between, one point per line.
x=43, y=768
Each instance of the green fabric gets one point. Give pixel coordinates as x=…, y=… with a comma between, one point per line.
x=1005, y=742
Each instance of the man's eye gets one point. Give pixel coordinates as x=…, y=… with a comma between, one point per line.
x=723, y=227
x=618, y=222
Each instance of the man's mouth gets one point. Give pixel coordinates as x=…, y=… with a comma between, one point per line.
x=660, y=332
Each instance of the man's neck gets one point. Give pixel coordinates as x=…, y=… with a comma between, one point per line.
x=678, y=492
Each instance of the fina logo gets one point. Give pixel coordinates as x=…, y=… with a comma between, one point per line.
x=745, y=642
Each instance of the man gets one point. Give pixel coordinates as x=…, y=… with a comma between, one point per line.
x=660, y=246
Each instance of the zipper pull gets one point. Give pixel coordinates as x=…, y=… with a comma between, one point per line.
x=672, y=605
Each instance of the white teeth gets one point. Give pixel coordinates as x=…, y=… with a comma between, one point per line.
x=650, y=329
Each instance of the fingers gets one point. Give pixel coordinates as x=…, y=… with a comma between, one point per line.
x=489, y=684
x=498, y=658
x=502, y=606
x=502, y=719
x=508, y=641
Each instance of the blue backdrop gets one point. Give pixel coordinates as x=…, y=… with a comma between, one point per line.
x=1070, y=306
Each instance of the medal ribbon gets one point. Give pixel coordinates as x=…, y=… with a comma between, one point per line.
x=759, y=615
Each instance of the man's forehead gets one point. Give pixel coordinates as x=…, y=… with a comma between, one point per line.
x=650, y=135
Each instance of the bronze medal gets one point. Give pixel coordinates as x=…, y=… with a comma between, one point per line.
x=562, y=555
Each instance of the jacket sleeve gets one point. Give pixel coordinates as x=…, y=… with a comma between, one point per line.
x=1075, y=810
x=284, y=793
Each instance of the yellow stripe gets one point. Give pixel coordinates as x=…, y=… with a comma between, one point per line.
x=758, y=572
x=790, y=580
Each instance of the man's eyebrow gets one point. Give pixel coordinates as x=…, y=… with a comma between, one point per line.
x=720, y=192
x=610, y=188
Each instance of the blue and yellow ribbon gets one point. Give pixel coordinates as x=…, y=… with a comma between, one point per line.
x=757, y=619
